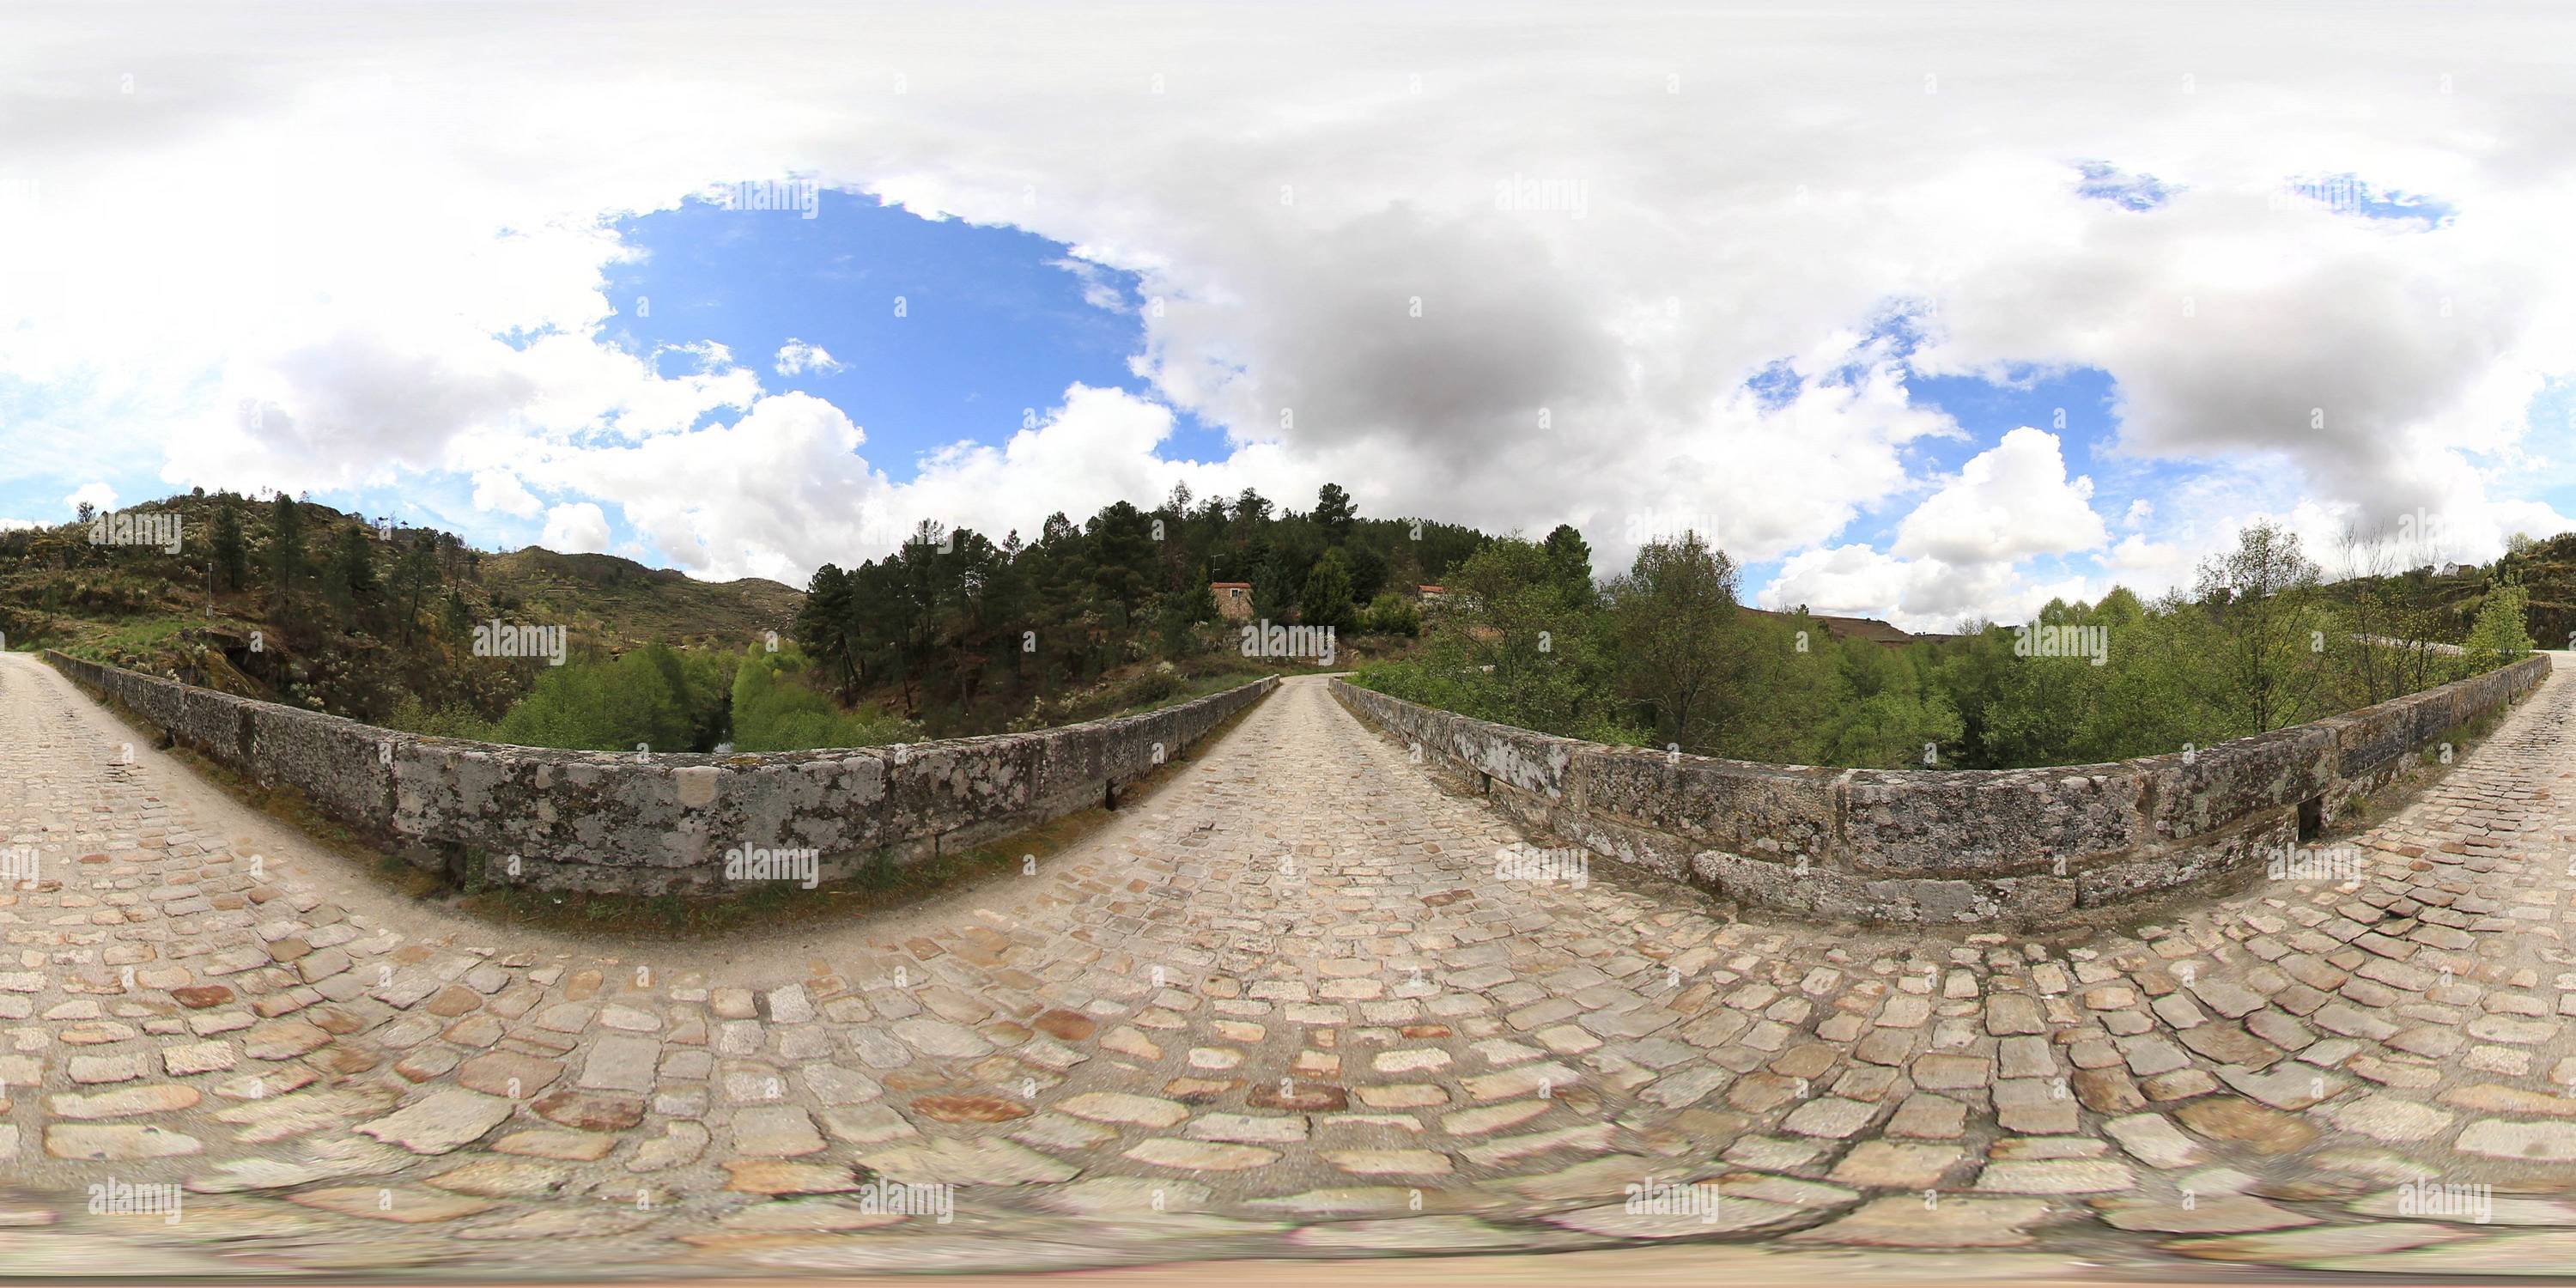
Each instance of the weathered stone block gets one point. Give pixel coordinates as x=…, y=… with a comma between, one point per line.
x=2371, y=738
x=1532, y=762
x=1766, y=811
x=2210, y=858
x=217, y=723
x=338, y=764
x=1955, y=822
x=2223, y=783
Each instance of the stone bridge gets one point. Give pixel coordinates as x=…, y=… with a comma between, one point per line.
x=1283, y=1006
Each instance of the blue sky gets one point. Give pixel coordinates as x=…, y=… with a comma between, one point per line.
x=995, y=321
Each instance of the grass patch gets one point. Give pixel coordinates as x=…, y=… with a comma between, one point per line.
x=140, y=637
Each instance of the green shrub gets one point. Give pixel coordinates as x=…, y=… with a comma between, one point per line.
x=774, y=709
x=2501, y=633
x=1392, y=614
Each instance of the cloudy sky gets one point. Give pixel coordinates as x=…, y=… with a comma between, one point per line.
x=1922, y=311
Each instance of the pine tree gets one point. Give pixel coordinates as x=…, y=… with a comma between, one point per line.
x=1277, y=580
x=231, y=555
x=286, y=560
x=1334, y=513
x=415, y=576
x=1327, y=599
x=350, y=577
x=822, y=627
x=1184, y=609
x=1571, y=556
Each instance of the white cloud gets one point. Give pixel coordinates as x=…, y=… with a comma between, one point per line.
x=1314, y=207
x=96, y=495
x=2007, y=503
x=500, y=491
x=1966, y=551
x=786, y=488
x=1923, y=594
x=796, y=357
x=1841, y=581
x=576, y=529
x=1760, y=481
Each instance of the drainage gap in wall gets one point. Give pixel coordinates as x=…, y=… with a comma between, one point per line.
x=2312, y=817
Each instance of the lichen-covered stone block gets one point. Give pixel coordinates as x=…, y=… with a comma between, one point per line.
x=1766, y=811
x=337, y=764
x=1986, y=822
x=2217, y=785
x=2205, y=860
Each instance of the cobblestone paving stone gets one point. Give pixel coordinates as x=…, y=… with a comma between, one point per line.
x=1281, y=1007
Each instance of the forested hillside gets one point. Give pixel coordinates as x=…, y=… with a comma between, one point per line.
x=956, y=632
x=1663, y=656
x=963, y=631
x=300, y=603
x=953, y=634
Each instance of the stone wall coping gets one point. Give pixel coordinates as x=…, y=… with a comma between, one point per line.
x=662, y=822
x=2027, y=845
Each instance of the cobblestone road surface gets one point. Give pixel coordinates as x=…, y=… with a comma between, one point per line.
x=1282, y=1007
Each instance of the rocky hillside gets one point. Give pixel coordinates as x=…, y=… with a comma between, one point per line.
x=621, y=603
x=337, y=613
x=2442, y=601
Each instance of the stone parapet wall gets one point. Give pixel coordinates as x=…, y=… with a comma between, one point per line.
x=623, y=823
x=2012, y=847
